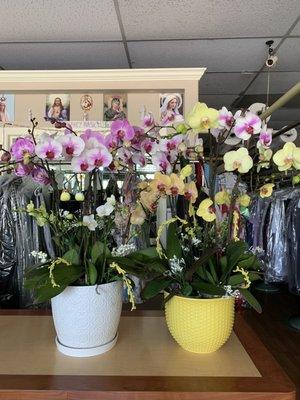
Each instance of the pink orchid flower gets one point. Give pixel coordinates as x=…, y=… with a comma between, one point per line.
x=226, y=119
x=246, y=125
x=161, y=162
x=23, y=170
x=170, y=144
x=138, y=137
x=49, y=149
x=99, y=157
x=41, y=176
x=72, y=145
x=139, y=159
x=148, y=145
x=148, y=120
x=81, y=163
x=22, y=147
x=111, y=141
x=265, y=137
x=122, y=129
x=92, y=138
x=125, y=156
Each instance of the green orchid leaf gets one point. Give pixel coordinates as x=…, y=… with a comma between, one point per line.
x=173, y=247
x=72, y=256
x=92, y=273
x=99, y=253
x=251, y=300
x=154, y=287
x=186, y=289
x=208, y=288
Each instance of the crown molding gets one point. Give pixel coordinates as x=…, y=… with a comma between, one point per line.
x=101, y=75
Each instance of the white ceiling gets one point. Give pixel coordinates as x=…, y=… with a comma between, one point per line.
x=226, y=36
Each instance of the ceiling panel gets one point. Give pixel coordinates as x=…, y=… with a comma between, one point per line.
x=290, y=115
x=280, y=82
x=216, y=55
x=289, y=55
x=161, y=19
x=58, y=20
x=224, y=84
x=63, y=56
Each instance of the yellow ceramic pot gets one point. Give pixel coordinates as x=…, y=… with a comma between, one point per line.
x=200, y=325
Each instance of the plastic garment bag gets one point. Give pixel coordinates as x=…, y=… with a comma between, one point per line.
x=293, y=241
x=19, y=236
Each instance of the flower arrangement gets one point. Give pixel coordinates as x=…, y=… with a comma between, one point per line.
x=204, y=254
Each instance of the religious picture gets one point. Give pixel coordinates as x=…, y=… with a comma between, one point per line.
x=7, y=107
x=171, y=108
x=115, y=107
x=86, y=104
x=58, y=106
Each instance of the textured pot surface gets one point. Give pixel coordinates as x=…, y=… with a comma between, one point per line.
x=200, y=325
x=87, y=316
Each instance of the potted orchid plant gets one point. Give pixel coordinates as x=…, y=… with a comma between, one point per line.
x=205, y=265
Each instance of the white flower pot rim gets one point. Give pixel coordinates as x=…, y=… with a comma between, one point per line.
x=92, y=286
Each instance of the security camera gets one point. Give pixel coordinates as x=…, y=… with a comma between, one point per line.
x=271, y=61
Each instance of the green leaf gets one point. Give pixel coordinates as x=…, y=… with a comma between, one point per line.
x=208, y=288
x=99, y=252
x=173, y=243
x=93, y=274
x=152, y=288
x=72, y=256
x=251, y=300
x=251, y=262
x=186, y=289
x=200, y=262
x=212, y=268
x=235, y=280
x=223, y=263
x=234, y=251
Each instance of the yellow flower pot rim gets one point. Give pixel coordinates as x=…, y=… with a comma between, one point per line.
x=200, y=299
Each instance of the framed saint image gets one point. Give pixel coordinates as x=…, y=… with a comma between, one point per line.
x=7, y=107
x=171, y=108
x=58, y=106
x=115, y=107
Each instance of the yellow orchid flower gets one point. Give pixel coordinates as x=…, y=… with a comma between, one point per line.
x=287, y=157
x=143, y=185
x=190, y=192
x=149, y=200
x=266, y=190
x=238, y=160
x=176, y=186
x=203, y=118
x=205, y=210
x=161, y=183
x=265, y=156
x=244, y=200
x=222, y=197
x=138, y=216
x=186, y=171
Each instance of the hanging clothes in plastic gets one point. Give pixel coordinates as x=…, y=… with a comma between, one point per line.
x=293, y=243
x=270, y=232
x=19, y=236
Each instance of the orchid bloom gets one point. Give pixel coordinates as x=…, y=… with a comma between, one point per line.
x=90, y=222
x=125, y=156
x=139, y=159
x=23, y=169
x=190, y=192
x=238, y=160
x=186, y=171
x=148, y=120
x=246, y=125
x=105, y=209
x=266, y=190
x=149, y=200
x=203, y=118
x=161, y=183
x=138, y=215
x=41, y=176
x=170, y=144
x=206, y=210
x=92, y=138
x=22, y=148
x=111, y=141
x=161, y=162
x=148, y=145
x=265, y=137
x=287, y=157
x=138, y=138
x=72, y=145
x=81, y=163
x=176, y=185
x=99, y=157
x=49, y=148
x=226, y=119
x=122, y=129
x=265, y=156
x=222, y=197
x=244, y=200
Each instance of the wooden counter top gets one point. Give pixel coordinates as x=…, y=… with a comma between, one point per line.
x=145, y=364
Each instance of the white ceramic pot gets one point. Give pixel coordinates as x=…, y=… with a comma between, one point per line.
x=86, y=318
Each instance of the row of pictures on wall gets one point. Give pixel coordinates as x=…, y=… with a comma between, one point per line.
x=114, y=107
